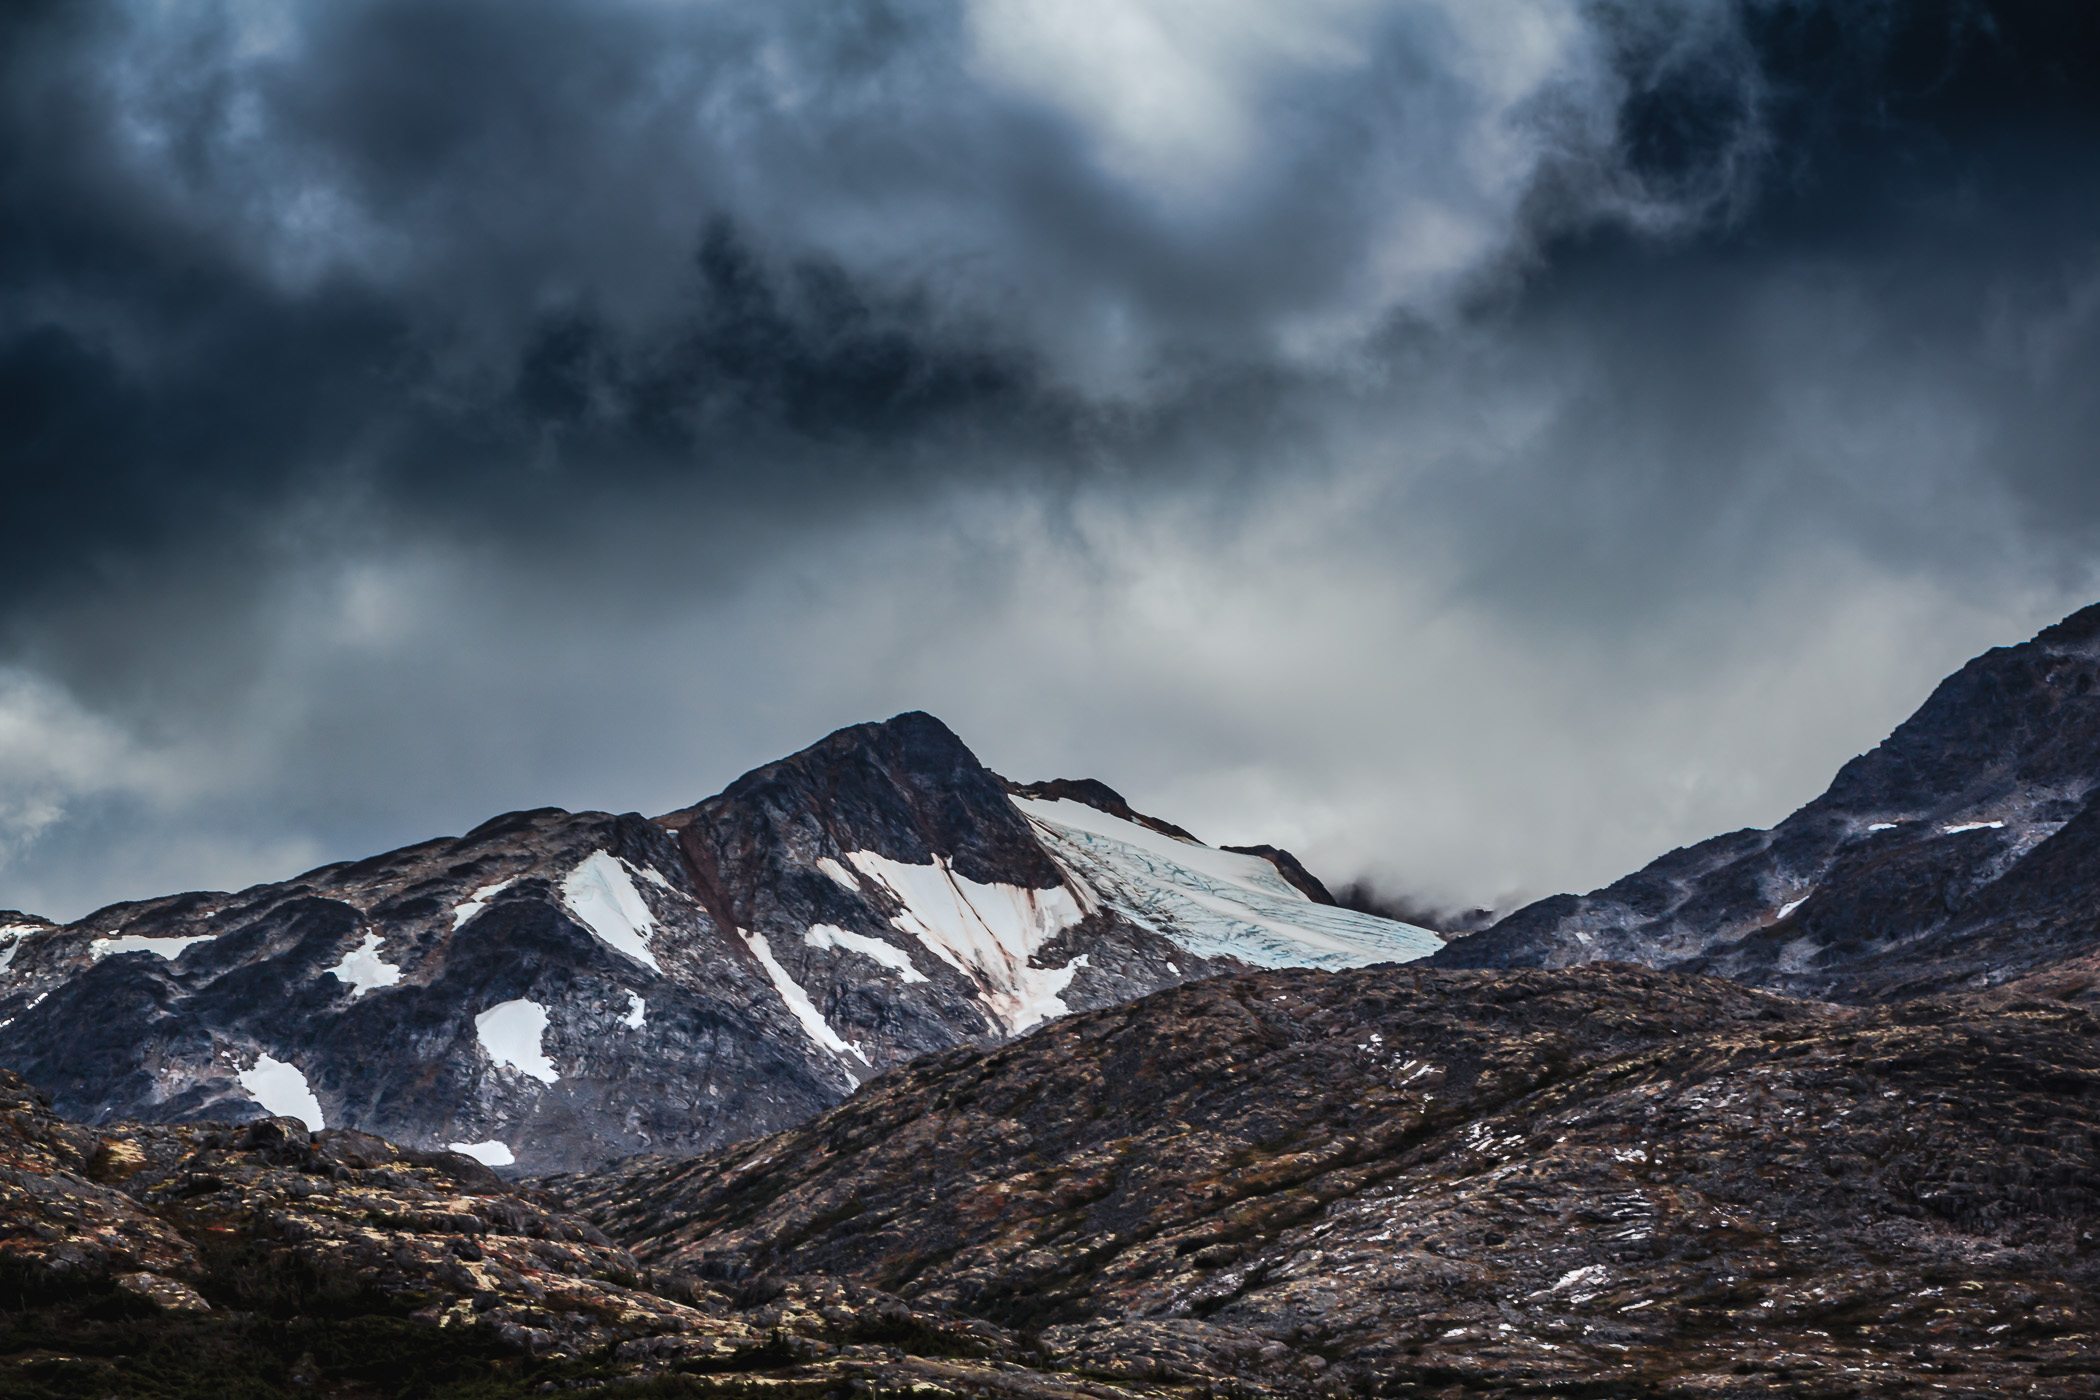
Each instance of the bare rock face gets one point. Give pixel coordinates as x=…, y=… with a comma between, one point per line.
x=555, y=990
x=1603, y=1180
x=1956, y=855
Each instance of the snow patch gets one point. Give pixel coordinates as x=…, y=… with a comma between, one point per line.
x=1959, y=827
x=602, y=897
x=838, y=872
x=1786, y=909
x=1591, y=1276
x=637, y=1012
x=490, y=1154
x=282, y=1089
x=169, y=948
x=1881, y=826
x=888, y=954
x=510, y=1031
x=14, y=934
x=989, y=933
x=478, y=901
x=799, y=1003
x=1214, y=904
x=364, y=969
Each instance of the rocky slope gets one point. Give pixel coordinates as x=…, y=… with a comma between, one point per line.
x=1394, y=1181
x=1603, y=1180
x=215, y=1260
x=1957, y=854
x=557, y=989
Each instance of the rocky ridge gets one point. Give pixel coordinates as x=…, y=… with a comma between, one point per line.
x=1954, y=856
x=1603, y=1180
x=554, y=990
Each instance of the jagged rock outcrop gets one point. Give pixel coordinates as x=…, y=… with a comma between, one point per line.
x=1603, y=1180
x=554, y=989
x=1957, y=854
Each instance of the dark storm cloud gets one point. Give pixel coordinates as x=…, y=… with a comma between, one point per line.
x=572, y=315
x=254, y=251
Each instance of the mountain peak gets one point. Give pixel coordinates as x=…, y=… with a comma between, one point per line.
x=906, y=788
x=557, y=989
x=1949, y=856
x=2078, y=631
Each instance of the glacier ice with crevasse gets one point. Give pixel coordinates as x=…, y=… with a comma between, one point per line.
x=602, y=896
x=510, y=1031
x=364, y=969
x=282, y=1089
x=1209, y=902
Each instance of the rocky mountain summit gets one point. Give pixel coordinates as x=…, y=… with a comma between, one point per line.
x=554, y=990
x=1958, y=854
x=1393, y=1181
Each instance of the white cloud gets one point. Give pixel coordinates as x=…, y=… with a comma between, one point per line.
x=1172, y=91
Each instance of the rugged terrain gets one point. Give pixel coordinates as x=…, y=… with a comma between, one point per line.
x=1597, y=1181
x=1594, y=1181
x=221, y=1260
x=1958, y=854
x=554, y=989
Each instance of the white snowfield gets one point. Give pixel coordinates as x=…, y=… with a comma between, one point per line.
x=1212, y=903
x=1209, y=902
x=11, y=942
x=282, y=1089
x=169, y=948
x=474, y=903
x=989, y=933
x=888, y=954
x=489, y=1154
x=364, y=969
x=801, y=1006
x=510, y=1031
x=602, y=896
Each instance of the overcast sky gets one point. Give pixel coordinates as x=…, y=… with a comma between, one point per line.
x=1478, y=444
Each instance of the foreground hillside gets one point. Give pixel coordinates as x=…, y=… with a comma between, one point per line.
x=1396, y=1182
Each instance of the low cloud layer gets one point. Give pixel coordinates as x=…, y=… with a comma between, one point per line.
x=1477, y=445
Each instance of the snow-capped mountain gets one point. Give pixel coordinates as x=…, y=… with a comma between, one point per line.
x=555, y=989
x=1958, y=854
